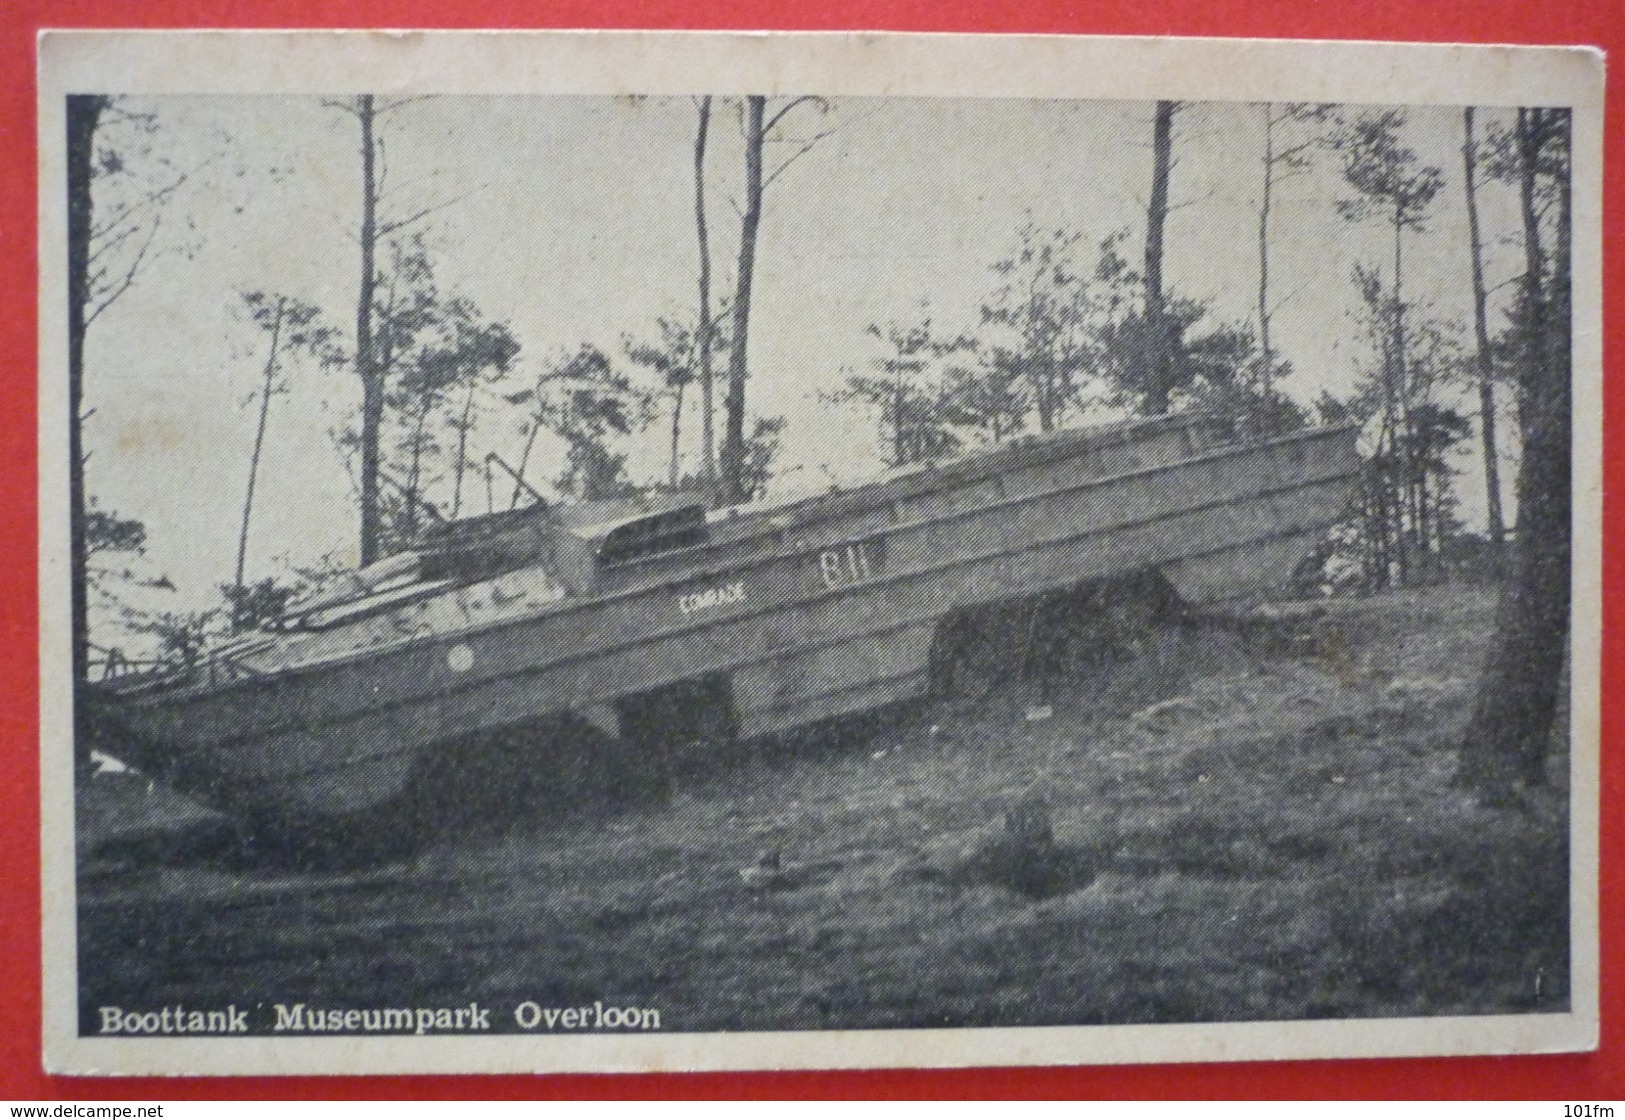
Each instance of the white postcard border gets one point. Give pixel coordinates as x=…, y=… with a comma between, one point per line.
x=846, y=64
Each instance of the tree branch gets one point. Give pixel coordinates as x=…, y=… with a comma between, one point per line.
x=120, y=215
x=779, y=116
x=123, y=283
x=387, y=228
x=379, y=108
x=804, y=149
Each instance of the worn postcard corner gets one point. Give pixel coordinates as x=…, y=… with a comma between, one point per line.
x=635, y=551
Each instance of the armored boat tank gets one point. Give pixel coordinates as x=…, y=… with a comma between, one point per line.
x=785, y=612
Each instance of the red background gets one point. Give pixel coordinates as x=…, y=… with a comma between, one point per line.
x=1598, y=1076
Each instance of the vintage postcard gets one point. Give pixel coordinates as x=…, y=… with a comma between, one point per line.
x=632, y=551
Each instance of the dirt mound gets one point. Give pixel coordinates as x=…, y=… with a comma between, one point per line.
x=1017, y=852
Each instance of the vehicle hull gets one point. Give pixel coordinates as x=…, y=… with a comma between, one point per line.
x=810, y=611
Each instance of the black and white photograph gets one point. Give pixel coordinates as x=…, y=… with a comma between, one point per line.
x=659, y=551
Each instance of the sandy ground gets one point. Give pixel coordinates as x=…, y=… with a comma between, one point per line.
x=1213, y=824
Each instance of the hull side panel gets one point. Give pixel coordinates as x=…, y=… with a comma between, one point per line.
x=841, y=667
x=1112, y=521
x=809, y=629
x=833, y=680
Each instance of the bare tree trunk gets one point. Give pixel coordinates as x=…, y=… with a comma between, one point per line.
x=462, y=450
x=259, y=441
x=1039, y=353
x=1506, y=741
x=899, y=451
x=414, y=477
x=703, y=332
x=1381, y=536
x=1392, y=521
x=372, y=382
x=733, y=446
x=1159, y=360
x=1486, y=360
x=1424, y=518
x=1399, y=395
x=677, y=435
x=1266, y=355
x=84, y=113
x=1381, y=530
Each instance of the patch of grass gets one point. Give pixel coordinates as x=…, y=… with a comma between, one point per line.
x=1218, y=824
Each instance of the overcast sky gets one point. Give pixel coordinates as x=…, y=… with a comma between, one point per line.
x=571, y=218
